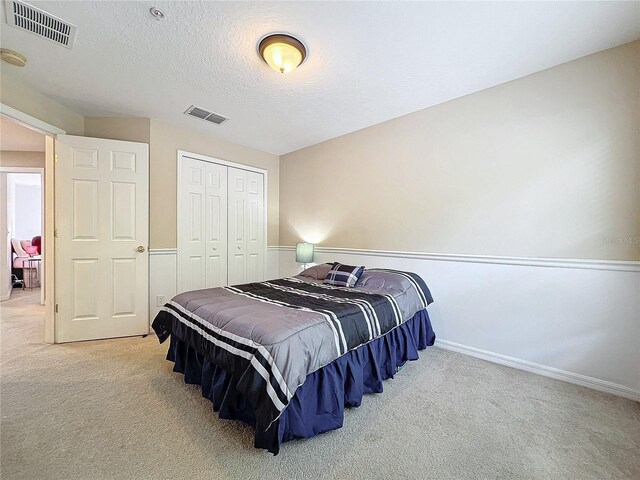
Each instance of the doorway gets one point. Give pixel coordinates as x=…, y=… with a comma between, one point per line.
x=24, y=222
x=21, y=134
x=22, y=166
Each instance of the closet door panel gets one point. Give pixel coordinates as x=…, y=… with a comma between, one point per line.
x=237, y=226
x=237, y=267
x=254, y=221
x=221, y=228
x=193, y=273
x=192, y=225
x=216, y=225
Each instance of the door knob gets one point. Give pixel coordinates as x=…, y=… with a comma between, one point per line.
x=239, y=247
x=215, y=248
x=140, y=249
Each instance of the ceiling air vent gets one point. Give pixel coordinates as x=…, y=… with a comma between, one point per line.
x=43, y=24
x=203, y=114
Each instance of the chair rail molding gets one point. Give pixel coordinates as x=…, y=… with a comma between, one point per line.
x=163, y=251
x=618, y=265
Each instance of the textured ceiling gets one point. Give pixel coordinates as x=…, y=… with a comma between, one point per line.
x=368, y=62
x=16, y=138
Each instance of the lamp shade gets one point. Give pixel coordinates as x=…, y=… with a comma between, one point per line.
x=304, y=252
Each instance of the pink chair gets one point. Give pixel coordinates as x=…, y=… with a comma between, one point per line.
x=37, y=242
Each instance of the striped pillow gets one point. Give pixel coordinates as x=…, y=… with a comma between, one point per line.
x=343, y=275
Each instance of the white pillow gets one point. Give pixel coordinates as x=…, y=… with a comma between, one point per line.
x=17, y=246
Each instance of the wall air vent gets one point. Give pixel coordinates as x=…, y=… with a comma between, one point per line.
x=204, y=114
x=39, y=22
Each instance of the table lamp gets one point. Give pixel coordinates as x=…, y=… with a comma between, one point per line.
x=304, y=253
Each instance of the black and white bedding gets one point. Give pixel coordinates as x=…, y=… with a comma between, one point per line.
x=271, y=335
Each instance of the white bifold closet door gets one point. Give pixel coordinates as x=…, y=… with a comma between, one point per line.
x=221, y=228
x=246, y=226
x=203, y=225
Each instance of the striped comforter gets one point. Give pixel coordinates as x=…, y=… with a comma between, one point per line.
x=271, y=335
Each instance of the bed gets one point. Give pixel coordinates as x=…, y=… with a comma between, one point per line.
x=288, y=355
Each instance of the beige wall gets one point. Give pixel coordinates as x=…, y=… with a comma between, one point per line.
x=130, y=129
x=544, y=166
x=21, y=159
x=166, y=140
x=17, y=95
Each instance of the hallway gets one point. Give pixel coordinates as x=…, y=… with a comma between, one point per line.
x=22, y=323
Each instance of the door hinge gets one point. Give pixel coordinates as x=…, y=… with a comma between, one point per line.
x=55, y=232
x=55, y=157
x=56, y=308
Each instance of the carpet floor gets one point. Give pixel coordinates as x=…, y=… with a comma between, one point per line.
x=113, y=409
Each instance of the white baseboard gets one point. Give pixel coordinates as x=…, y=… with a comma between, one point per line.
x=545, y=371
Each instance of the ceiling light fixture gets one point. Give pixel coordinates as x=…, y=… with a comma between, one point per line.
x=282, y=52
x=12, y=57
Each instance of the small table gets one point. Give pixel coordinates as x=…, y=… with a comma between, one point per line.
x=31, y=267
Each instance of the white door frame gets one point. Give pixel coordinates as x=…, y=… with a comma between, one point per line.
x=196, y=156
x=29, y=121
x=48, y=241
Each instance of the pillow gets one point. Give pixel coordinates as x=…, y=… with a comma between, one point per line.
x=343, y=275
x=31, y=250
x=18, y=248
x=317, y=272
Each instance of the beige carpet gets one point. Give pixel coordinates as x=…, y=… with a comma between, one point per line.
x=114, y=410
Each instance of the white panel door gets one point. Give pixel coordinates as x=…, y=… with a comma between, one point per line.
x=203, y=225
x=246, y=226
x=102, y=220
x=215, y=225
x=237, y=273
x=192, y=229
x=254, y=229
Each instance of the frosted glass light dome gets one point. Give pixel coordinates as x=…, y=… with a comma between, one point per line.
x=281, y=52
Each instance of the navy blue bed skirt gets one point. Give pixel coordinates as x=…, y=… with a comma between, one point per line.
x=318, y=404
